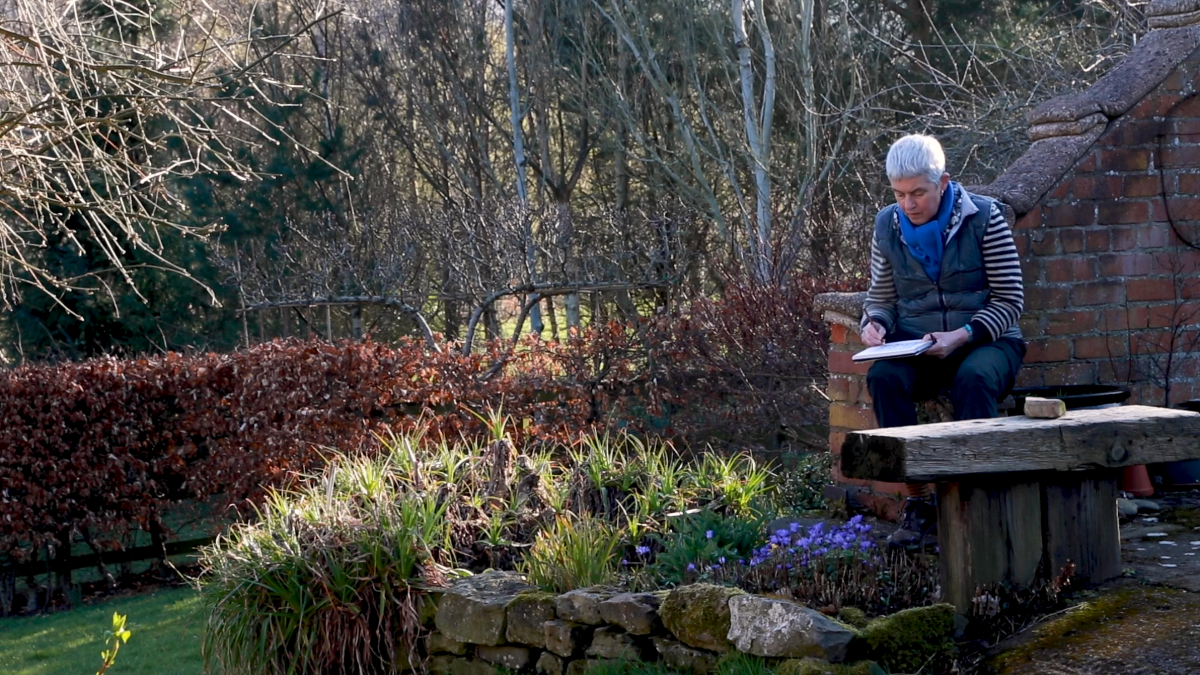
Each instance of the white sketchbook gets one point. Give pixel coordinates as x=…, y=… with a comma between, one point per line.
x=894, y=350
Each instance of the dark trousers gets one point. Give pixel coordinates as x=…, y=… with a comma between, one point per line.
x=977, y=378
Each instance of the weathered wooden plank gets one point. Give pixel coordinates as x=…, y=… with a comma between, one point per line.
x=989, y=531
x=1080, y=525
x=1081, y=440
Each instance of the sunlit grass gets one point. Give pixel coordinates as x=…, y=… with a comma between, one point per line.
x=166, y=625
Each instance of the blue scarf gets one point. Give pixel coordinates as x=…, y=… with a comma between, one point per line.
x=927, y=242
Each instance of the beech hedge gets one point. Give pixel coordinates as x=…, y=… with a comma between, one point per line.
x=101, y=446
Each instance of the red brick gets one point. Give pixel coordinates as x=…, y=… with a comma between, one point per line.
x=1048, y=349
x=1154, y=235
x=851, y=417
x=1184, y=391
x=837, y=334
x=1097, y=187
x=1071, y=214
x=1021, y=240
x=1154, y=106
x=1180, y=261
x=1176, y=81
x=1141, y=186
x=1071, y=269
x=1190, y=288
x=1100, y=347
x=1190, y=233
x=1123, y=238
x=1127, y=264
x=1179, y=157
x=842, y=363
x=1155, y=316
x=1124, y=159
x=1097, y=293
x=838, y=388
x=1184, y=126
x=1145, y=394
x=1029, y=220
x=836, y=438
x=1115, y=370
x=1044, y=297
x=1031, y=324
x=1138, y=290
x=1043, y=242
x=1151, y=342
x=1031, y=271
x=1061, y=192
x=1071, y=240
x=1180, y=208
x=859, y=392
x=1116, y=213
x=1069, y=373
x=1115, y=319
x=1189, y=184
x=1097, y=239
x=1030, y=375
x=1071, y=323
x=1086, y=164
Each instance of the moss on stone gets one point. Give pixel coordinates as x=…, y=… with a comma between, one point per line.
x=910, y=639
x=698, y=615
x=853, y=617
x=811, y=666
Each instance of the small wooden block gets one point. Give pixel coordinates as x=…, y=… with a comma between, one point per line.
x=1044, y=408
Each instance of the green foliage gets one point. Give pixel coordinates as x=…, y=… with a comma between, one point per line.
x=113, y=639
x=705, y=536
x=737, y=663
x=329, y=579
x=800, y=484
x=573, y=553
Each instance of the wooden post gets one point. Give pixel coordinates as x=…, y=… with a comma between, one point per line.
x=1080, y=524
x=989, y=531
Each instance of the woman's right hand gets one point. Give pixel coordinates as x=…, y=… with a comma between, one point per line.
x=873, y=334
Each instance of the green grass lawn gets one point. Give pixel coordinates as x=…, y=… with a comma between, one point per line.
x=166, y=624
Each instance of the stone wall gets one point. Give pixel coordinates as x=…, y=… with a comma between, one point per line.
x=496, y=621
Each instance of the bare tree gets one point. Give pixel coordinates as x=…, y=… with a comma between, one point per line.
x=103, y=105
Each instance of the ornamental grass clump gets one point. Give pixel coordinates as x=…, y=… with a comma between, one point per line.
x=332, y=578
x=575, y=552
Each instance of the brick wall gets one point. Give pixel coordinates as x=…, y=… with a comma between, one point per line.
x=1112, y=285
x=1112, y=291
x=850, y=410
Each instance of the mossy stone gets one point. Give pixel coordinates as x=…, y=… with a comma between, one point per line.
x=698, y=615
x=910, y=639
x=853, y=616
x=527, y=617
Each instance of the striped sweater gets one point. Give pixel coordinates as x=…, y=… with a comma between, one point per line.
x=1005, y=300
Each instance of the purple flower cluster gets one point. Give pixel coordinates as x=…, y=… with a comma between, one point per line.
x=786, y=547
x=792, y=547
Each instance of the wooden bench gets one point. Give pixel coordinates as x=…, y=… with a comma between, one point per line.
x=1017, y=495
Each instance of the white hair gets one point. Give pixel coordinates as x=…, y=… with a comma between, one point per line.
x=916, y=155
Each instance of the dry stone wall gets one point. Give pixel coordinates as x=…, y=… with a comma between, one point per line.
x=496, y=621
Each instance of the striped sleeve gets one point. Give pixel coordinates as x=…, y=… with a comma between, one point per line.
x=1003, y=269
x=880, y=305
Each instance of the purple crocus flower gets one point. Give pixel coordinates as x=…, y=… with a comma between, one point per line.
x=642, y=550
x=708, y=534
x=691, y=567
